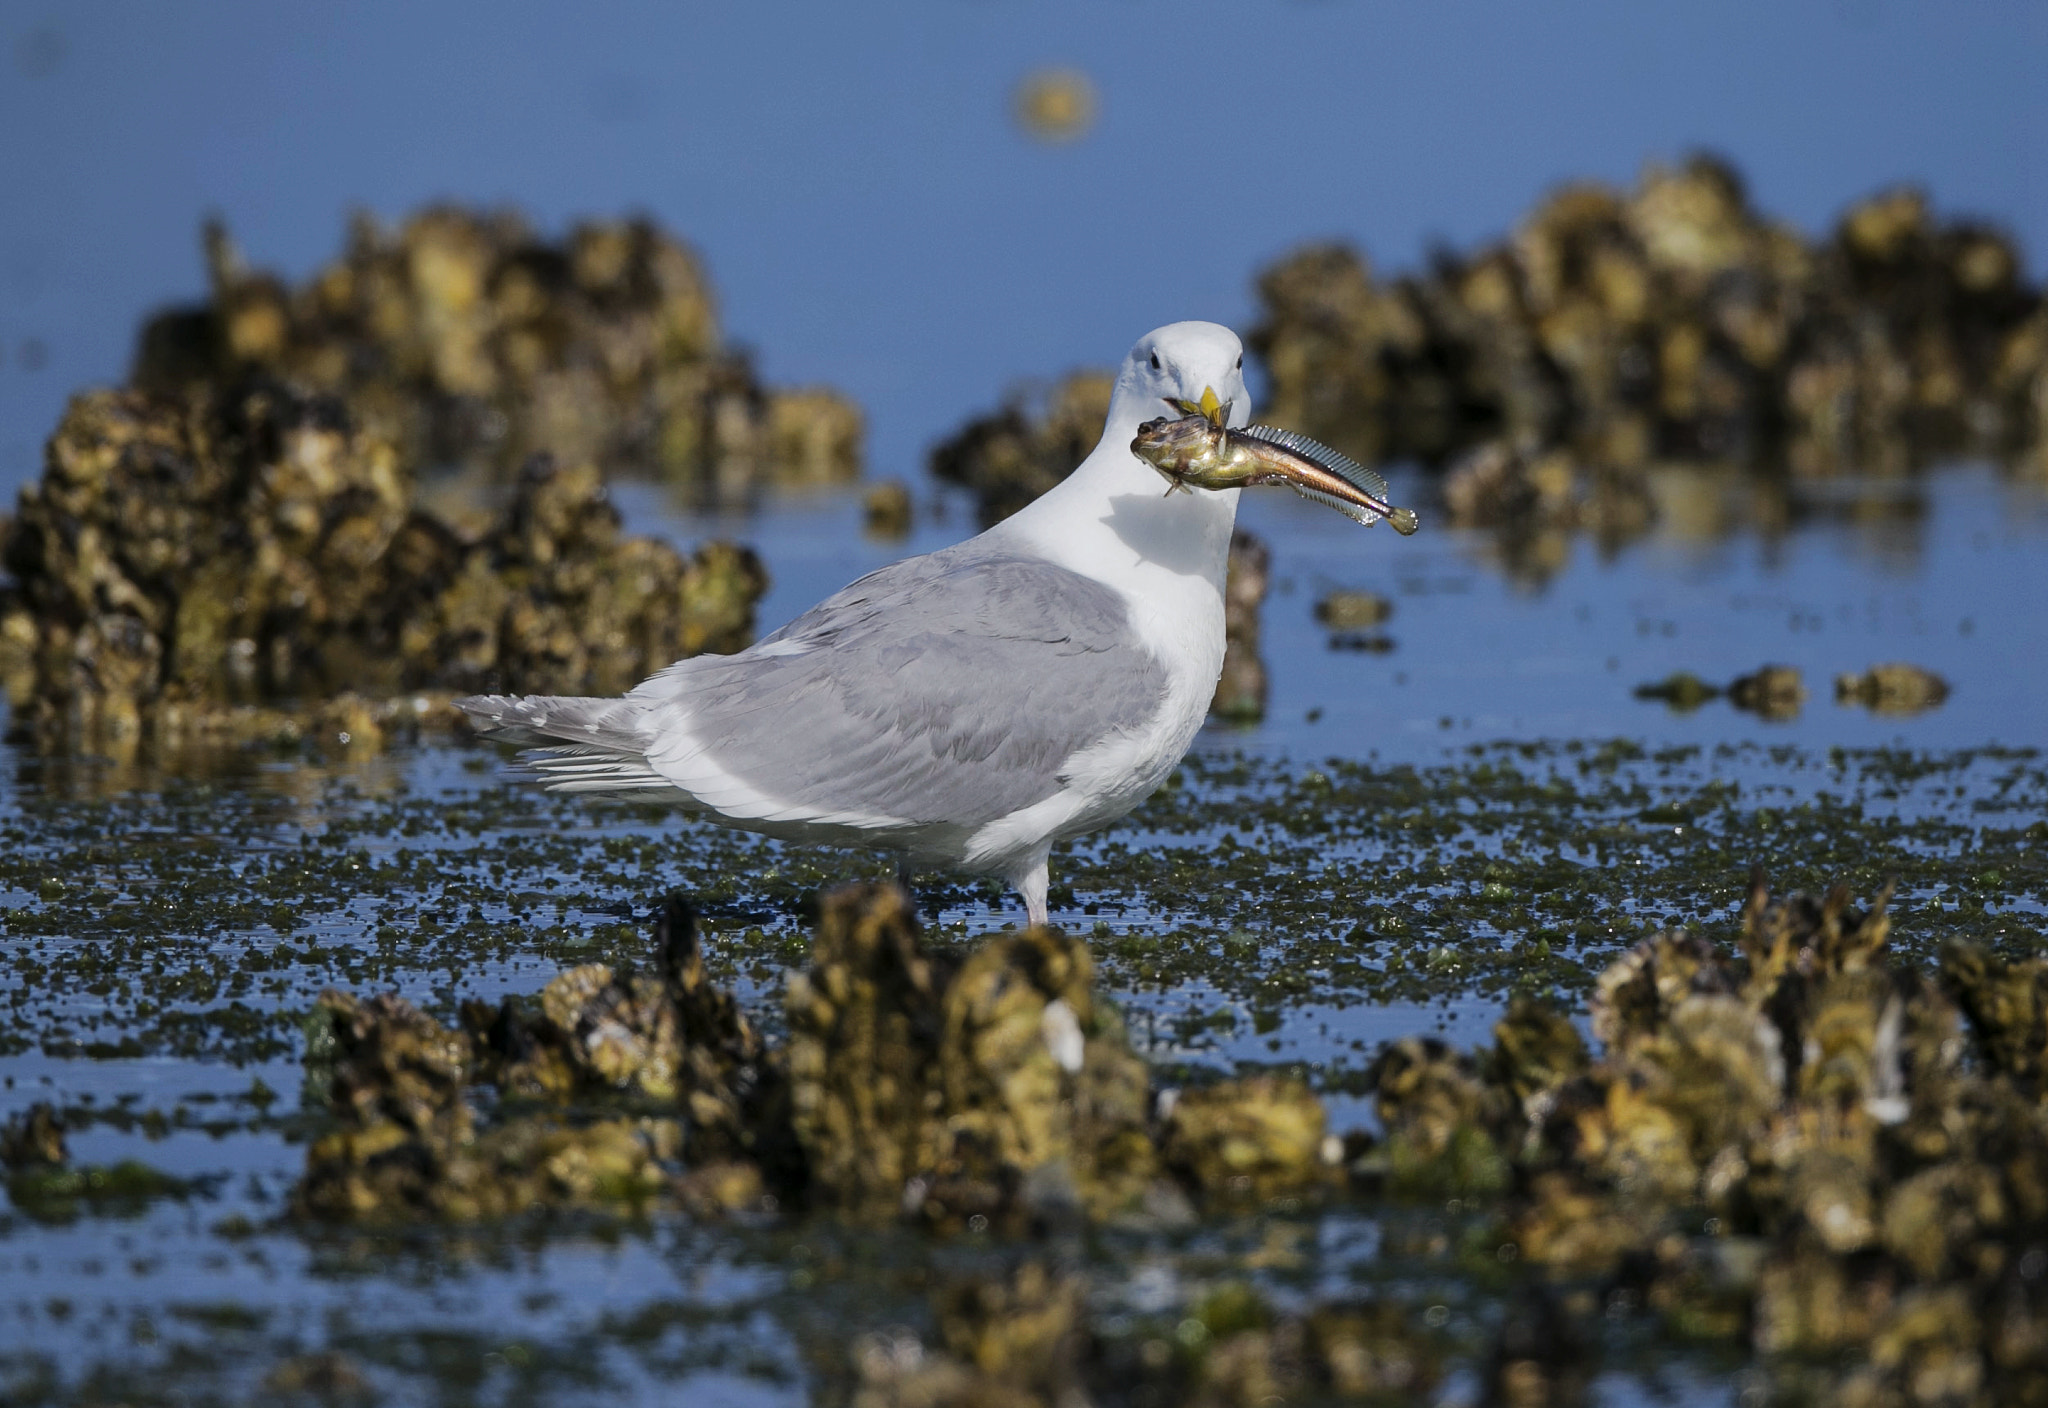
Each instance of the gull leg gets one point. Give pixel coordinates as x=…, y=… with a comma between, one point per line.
x=1031, y=883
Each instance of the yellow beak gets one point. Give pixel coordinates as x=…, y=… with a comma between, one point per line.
x=1216, y=411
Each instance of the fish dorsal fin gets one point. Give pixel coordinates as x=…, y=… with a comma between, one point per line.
x=1339, y=464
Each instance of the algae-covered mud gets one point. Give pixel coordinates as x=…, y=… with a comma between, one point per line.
x=214, y=1207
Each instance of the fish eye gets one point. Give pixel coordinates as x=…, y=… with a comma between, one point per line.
x=1155, y=361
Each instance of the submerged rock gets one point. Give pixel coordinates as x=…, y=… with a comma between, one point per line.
x=464, y=338
x=886, y=511
x=1353, y=610
x=1025, y=1338
x=1896, y=688
x=33, y=1140
x=216, y=567
x=1775, y=692
x=43, y=1183
x=1684, y=691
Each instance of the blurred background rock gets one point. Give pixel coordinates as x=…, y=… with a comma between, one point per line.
x=1673, y=322
x=247, y=562
x=469, y=341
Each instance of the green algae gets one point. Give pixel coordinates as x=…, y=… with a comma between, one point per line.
x=199, y=919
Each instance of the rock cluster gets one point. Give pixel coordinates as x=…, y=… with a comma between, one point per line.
x=1799, y=1147
x=189, y=569
x=1673, y=321
x=993, y=1089
x=1896, y=688
x=466, y=339
x=1840, y=1162
x=616, y=1078
x=1778, y=692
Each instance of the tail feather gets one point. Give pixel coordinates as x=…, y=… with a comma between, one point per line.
x=593, y=770
x=606, y=739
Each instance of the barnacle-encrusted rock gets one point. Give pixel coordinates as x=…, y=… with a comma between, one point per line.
x=865, y=1027
x=1774, y=692
x=1442, y=1120
x=1864, y=1183
x=1257, y=1138
x=2007, y=1006
x=618, y=1077
x=1497, y=485
x=1010, y=457
x=1536, y=1052
x=1895, y=688
x=407, y=1143
x=465, y=338
x=217, y=567
x=1241, y=689
x=1672, y=322
x=993, y=1086
x=33, y=1139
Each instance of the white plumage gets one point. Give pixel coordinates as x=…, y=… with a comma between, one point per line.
x=967, y=708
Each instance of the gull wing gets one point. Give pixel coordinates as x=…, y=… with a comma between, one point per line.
x=943, y=691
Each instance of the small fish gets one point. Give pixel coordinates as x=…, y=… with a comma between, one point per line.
x=1199, y=451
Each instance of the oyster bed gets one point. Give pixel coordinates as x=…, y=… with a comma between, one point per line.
x=1236, y=922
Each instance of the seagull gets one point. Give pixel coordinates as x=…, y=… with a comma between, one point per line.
x=969, y=708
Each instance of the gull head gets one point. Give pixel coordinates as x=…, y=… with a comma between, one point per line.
x=1182, y=369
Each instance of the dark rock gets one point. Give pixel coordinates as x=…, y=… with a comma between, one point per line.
x=1896, y=689
x=1008, y=458
x=463, y=338
x=214, y=568
x=1671, y=323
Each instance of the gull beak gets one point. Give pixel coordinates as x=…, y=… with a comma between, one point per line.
x=1216, y=412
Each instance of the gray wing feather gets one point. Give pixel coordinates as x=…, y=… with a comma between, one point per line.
x=948, y=689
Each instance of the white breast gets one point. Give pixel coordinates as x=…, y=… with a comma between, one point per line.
x=1167, y=558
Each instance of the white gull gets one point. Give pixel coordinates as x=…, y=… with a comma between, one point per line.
x=968, y=708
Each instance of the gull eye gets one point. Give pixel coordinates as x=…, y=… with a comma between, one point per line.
x=1155, y=361
x=1240, y=361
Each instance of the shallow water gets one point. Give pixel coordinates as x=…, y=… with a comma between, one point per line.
x=1483, y=809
